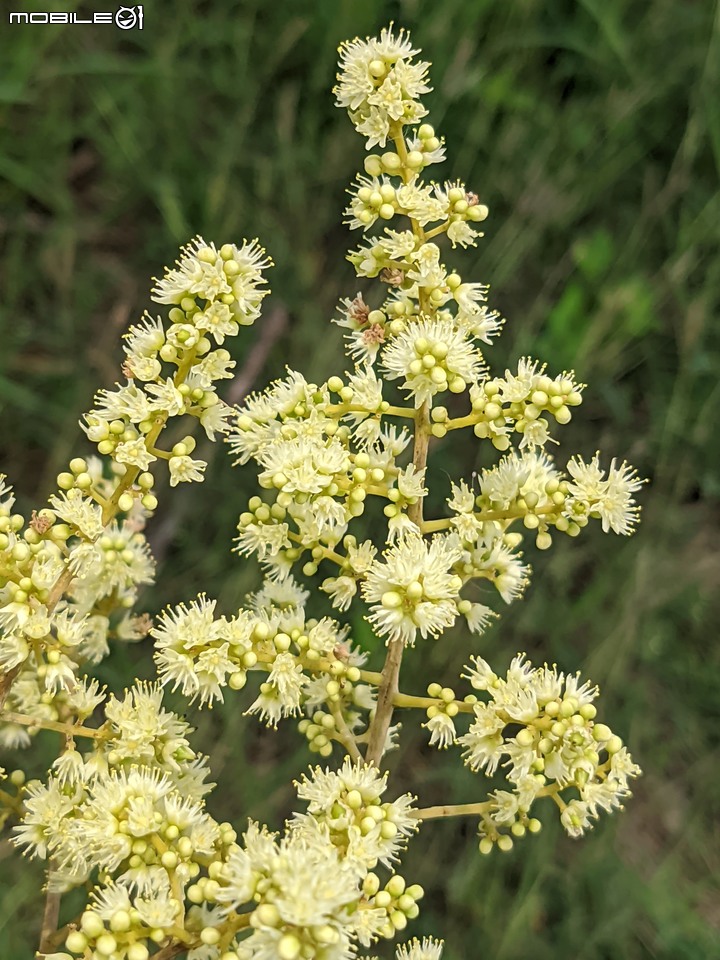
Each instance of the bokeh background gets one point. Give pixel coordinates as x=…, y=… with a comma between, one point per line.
x=591, y=128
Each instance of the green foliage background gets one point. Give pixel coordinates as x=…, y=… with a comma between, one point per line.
x=591, y=128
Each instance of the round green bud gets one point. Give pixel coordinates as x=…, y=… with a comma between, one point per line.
x=78, y=465
x=367, y=825
x=391, y=163
x=137, y=951
x=169, y=860
x=288, y=947
x=568, y=706
x=20, y=552
x=383, y=899
x=125, y=502
x=398, y=919
x=426, y=131
x=486, y=846
x=477, y=212
x=106, y=945
x=613, y=745
x=65, y=481
x=210, y=936
x=391, y=600
x=601, y=733
x=120, y=921
x=505, y=843
x=415, y=160
x=395, y=885
x=414, y=590
x=534, y=825
x=371, y=884
x=525, y=738
x=388, y=830
x=76, y=942
x=267, y=915
x=373, y=165
x=91, y=924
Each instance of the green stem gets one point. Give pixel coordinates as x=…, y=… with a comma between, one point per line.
x=514, y=513
x=344, y=734
x=407, y=701
x=454, y=810
x=67, y=729
x=477, y=809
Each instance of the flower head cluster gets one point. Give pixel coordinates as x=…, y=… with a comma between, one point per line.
x=308, y=666
x=413, y=589
x=379, y=83
x=540, y=725
x=72, y=572
x=346, y=806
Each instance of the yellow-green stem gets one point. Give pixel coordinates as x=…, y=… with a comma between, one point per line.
x=71, y=730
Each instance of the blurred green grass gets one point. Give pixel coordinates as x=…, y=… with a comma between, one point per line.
x=592, y=131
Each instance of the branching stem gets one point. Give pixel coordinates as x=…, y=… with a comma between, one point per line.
x=72, y=730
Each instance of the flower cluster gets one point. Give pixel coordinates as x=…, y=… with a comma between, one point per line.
x=540, y=723
x=70, y=576
x=343, y=483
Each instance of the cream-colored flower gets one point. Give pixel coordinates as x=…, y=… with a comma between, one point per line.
x=413, y=588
